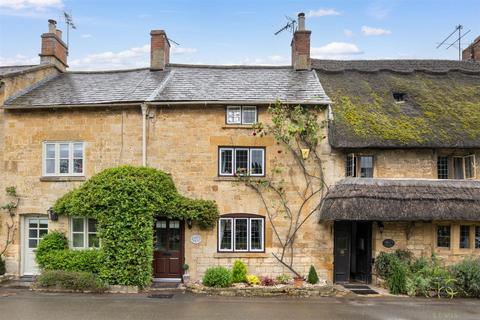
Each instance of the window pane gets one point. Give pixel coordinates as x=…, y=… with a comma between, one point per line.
x=77, y=240
x=174, y=224
x=78, y=150
x=477, y=237
x=469, y=167
x=256, y=165
x=93, y=241
x=50, y=166
x=256, y=231
x=64, y=165
x=366, y=166
x=174, y=238
x=77, y=224
x=42, y=232
x=32, y=243
x=442, y=167
x=50, y=151
x=33, y=223
x=225, y=234
x=464, y=237
x=241, y=161
x=64, y=150
x=226, y=161
x=443, y=236
x=234, y=115
x=161, y=235
x=350, y=166
x=92, y=225
x=33, y=233
x=249, y=115
x=78, y=166
x=458, y=168
x=241, y=234
x=43, y=223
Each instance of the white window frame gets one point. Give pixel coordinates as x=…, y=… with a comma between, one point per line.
x=242, y=117
x=86, y=232
x=57, y=159
x=233, y=222
x=234, y=161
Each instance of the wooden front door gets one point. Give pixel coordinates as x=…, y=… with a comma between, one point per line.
x=168, y=252
x=341, y=251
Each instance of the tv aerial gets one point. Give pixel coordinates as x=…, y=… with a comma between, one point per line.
x=290, y=26
x=458, y=40
x=70, y=24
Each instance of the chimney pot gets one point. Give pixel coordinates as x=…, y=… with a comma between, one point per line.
x=159, y=50
x=52, y=26
x=301, y=21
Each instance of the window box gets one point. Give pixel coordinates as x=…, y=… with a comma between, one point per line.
x=241, y=115
x=63, y=159
x=241, y=161
x=241, y=233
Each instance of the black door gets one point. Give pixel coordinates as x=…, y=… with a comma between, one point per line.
x=168, y=253
x=341, y=249
x=361, y=270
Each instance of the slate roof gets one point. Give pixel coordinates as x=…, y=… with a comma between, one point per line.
x=441, y=107
x=178, y=83
x=402, y=200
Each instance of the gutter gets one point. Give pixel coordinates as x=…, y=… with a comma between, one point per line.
x=144, y=108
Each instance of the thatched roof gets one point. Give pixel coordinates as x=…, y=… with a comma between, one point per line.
x=441, y=108
x=402, y=200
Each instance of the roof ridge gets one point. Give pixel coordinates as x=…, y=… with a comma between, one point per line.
x=227, y=66
x=160, y=87
x=107, y=71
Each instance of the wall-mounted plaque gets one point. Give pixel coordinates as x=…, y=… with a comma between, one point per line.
x=388, y=243
x=196, y=239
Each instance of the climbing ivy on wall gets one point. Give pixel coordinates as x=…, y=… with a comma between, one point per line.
x=125, y=202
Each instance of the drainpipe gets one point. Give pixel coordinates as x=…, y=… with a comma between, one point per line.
x=144, y=133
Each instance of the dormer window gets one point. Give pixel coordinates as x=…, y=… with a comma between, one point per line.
x=241, y=115
x=399, y=97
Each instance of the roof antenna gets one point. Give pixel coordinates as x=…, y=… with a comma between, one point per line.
x=171, y=40
x=460, y=35
x=70, y=24
x=291, y=25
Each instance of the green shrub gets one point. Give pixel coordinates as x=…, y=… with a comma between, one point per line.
x=467, y=275
x=312, y=275
x=54, y=241
x=69, y=280
x=219, y=277
x=239, y=272
x=88, y=260
x=397, y=281
x=385, y=262
x=268, y=282
x=253, y=280
x=283, y=278
x=125, y=202
x=2, y=266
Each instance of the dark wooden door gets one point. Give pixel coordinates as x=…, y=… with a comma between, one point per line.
x=362, y=270
x=341, y=251
x=169, y=247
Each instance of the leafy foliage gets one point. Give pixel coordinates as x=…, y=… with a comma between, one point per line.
x=125, y=201
x=219, y=277
x=253, y=280
x=467, y=275
x=52, y=241
x=283, y=278
x=312, y=275
x=239, y=272
x=397, y=281
x=82, y=281
x=268, y=281
x=385, y=262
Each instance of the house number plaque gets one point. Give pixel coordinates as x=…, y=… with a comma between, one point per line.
x=388, y=243
x=196, y=239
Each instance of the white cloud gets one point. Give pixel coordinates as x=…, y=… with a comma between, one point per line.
x=30, y=4
x=369, y=31
x=348, y=33
x=335, y=50
x=18, y=60
x=381, y=9
x=322, y=13
x=86, y=35
x=135, y=57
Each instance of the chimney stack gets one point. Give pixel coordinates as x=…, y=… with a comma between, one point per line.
x=472, y=52
x=301, y=46
x=54, y=50
x=159, y=50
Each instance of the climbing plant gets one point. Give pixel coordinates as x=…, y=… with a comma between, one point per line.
x=298, y=130
x=125, y=202
x=10, y=224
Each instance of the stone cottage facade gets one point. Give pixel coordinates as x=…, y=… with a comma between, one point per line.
x=398, y=176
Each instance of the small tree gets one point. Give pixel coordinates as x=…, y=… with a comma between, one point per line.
x=312, y=275
x=299, y=130
x=239, y=272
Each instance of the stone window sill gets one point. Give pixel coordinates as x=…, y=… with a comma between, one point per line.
x=233, y=179
x=227, y=255
x=63, y=179
x=237, y=126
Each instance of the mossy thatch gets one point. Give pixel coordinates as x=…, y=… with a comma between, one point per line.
x=440, y=110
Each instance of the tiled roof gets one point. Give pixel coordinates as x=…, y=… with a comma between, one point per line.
x=401, y=66
x=178, y=83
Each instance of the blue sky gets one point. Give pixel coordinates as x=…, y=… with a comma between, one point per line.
x=115, y=34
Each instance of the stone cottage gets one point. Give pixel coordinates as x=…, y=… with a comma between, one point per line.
x=399, y=157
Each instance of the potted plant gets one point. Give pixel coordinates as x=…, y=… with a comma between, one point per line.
x=186, y=276
x=298, y=282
